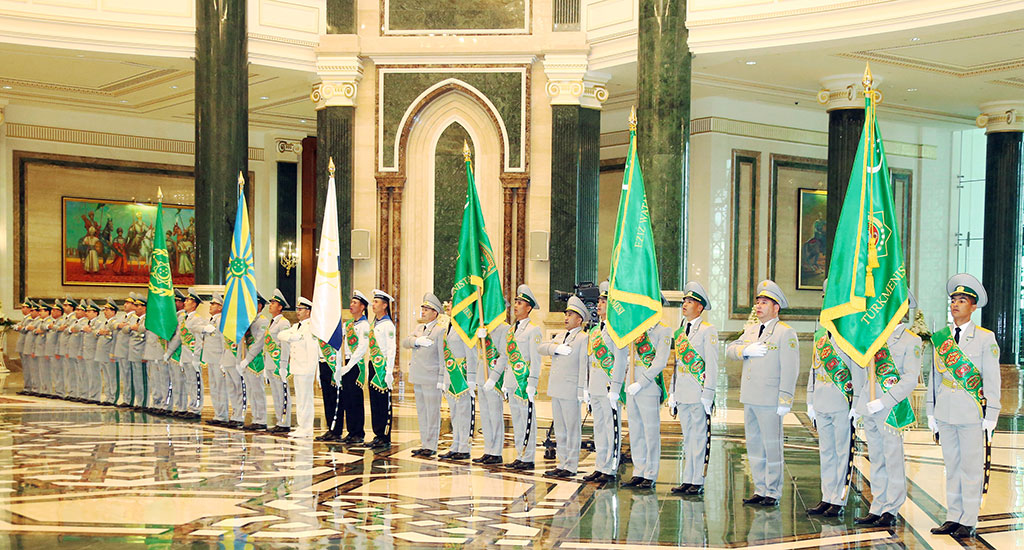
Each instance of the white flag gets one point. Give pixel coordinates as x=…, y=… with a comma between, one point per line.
x=326, y=315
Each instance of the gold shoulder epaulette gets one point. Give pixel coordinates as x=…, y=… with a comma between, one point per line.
x=983, y=328
x=784, y=324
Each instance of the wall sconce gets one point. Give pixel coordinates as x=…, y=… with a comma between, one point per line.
x=289, y=257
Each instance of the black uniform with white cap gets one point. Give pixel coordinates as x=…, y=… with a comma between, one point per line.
x=385, y=338
x=351, y=411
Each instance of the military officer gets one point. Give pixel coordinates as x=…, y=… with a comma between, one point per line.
x=104, y=357
x=82, y=369
x=350, y=376
x=693, y=384
x=303, y=358
x=230, y=362
x=122, y=343
x=91, y=380
x=52, y=331
x=833, y=385
x=65, y=374
x=566, y=382
x=251, y=365
x=459, y=371
x=157, y=374
x=212, y=354
x=381, y=352
x=186, y=345
x=425, y=373
x=275, y=361
x=885, y=443
x=30, y=351
x=961, y=411
x=645, y=387
x=22, y=328
x=489, y=372
x=140, y=376
x=178, y=372
x=771, y=362
x=604, y=356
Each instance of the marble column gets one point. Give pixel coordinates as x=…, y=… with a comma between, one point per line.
x=843, y=97
x=335, y=97
x=663, y=113
x=222, y=130
x=341, y=16
x=576, y=98
x=1001, y=253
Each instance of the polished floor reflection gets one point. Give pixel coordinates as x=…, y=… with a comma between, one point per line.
x=83, y=476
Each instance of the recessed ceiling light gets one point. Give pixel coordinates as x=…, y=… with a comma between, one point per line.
x=751, y=62
x=124, y=101
x=8, y=87
x=915, y=39
x=263, y=97
x=911, y=89
x=303, y=121
x=174, y=87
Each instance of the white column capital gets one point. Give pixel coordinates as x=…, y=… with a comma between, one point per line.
x=570, y=83
x=1001, y=116
x=339, y=81
x=846, y=91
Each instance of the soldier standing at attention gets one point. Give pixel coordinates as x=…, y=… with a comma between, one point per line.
x=604, y=358
x=425, y=373
x=566, y=382
x=275, y=358
x=382, y=348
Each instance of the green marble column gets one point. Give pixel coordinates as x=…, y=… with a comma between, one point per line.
x=575, y=166
x=222, y=130
x=663, y=113
x=341, y=16
x=334, y=129
x=1001, y=249
x=844, y=131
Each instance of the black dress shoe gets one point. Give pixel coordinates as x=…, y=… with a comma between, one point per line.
x=279, y=429
x=769, y=501
x=328, y=436
x=885, y=520
x=214, y=422
x=234, y=425
x=592, y=476
x=605, y=478
x=756, y=499
x=945, y=528
x=833, y=511
x=514, y=464
x=427, y=453
x=480, y=459
x=633, y=481
x=447, y=456
x=818, y=509
x=460, y=456
x=417, y=452
x=525, y=466
x=680, y=490
x=492, y=460
x=557, y=472
x=645, y=484
x=381, y=444
x=869, y=519
x=695, y=490
x=964, y=532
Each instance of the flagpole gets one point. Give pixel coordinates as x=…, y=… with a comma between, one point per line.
x=869, y=148
x=480, y=299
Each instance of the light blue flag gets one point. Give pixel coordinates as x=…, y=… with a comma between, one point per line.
x=240, y=307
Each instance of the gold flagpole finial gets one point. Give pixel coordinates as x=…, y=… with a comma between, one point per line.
x=465, y=150
x=868, y=80
x=632, y=119
x=330, y=166
x=160, y=194
x=241, y=181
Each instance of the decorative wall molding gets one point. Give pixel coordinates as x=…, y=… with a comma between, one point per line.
x=1001, y=116
x=340, y=76
x=846, y=91
x=570, y=83
x=108, y=139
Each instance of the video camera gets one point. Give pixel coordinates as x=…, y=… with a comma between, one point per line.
x=589, y=293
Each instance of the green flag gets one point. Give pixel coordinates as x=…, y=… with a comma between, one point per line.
x=866, y=296
x=634, y=288
x=161, y=317
x=477, y=300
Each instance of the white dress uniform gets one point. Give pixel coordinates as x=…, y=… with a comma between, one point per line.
x=278, y=379
x=766, y=391
x=303, y=362
x=693, y=399
x=254, y=381
x=607, y=426
x=566, y=382
x=380, y=401
x=426, y=376
x=212, y=355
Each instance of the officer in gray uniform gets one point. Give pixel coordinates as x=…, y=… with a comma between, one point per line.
x=34, y=346
x=22, y=328
x=81, y=368
x=460, y=407
x=425, y=373
x=87, y=352
x=770, y=353
x=524, y=415
x=885, y=444
x=177, y=372
x=830, y=409
x=136, y=347
x=693, y=393
x=157, y=372
x=275, y=367
x=234, y=382
x=65, y=373
x=122, y=343
x=212, y=355
x=52, y=329
x=643, y=404
x=110, y=390
x=961, y=422
x=189, y=391
x=607, y=416
x=492, y=415
x=566, y=382
x=253, y=359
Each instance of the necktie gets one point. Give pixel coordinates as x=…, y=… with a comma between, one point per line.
x=688, y=329
x=956, y=337
x=602, y=325
x=566, y=337
x=760, y=331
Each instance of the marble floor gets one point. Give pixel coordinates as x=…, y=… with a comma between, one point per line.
x=84, y=476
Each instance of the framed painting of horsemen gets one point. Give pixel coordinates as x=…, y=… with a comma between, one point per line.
x=110, y=242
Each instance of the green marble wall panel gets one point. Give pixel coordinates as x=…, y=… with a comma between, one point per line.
x=341, y=16
x=427, y=15
x=663, y=113
x=503, y=89
x=449, y=198
x=334, y=130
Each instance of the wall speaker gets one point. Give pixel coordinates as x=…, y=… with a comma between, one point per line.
x=539, y=245
x=360, y=244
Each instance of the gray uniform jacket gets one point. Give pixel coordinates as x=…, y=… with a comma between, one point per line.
x=53, y=330
x=258, y=329
x=194, y=323
x=105, y=342
x=74, y=339
x=825, y=396
x=527, y=336
x=153, y=350
x=703, y=337
x=64, y=333
x=947, y=401
x=27, y=339
x=213, y=342
x=905, y=348
x=278, y=324
x=661, y=336
x=568, y=375
x=122, y=337
x=496, y=368
x=768, y=381
x=427, y=363
x=137, y=344
x=90, y=340
x=599, y=379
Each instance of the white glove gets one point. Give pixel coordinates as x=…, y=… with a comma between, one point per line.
x=932, y=425
x=707, y=404
x=424, y=342
x=337, y=377
x=633, y=388
x=531, y=392
x=586, y=397
x=481, y=332
x=240, y=369
x=167, y=357
x=757, y=349
x=875, y=406
x=854, y=415
x=783, y=410
x=563, y=349
x=209, y=328
x=505, y=393
x=671, y=402
x=613, y=398
x=243, y=364
x=222, y=370
x=284, y=377
x=472, y=386
x=990, y=427
x=389, y=379
x=440, y=386
x=266, y=376
x=489, y=385
x=810, y=412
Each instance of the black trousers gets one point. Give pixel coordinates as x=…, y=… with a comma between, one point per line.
x=329, y=392
x=350, y=400
x=380, y=410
